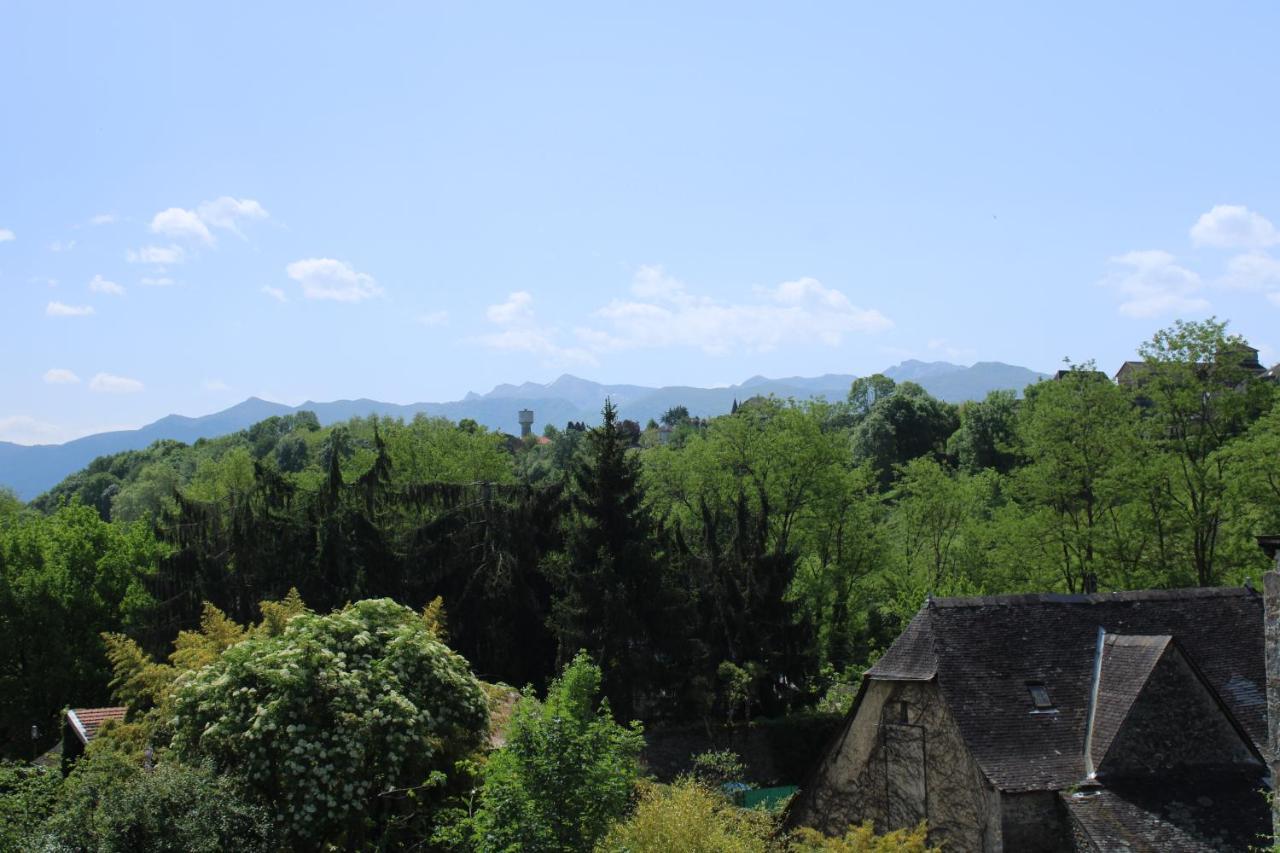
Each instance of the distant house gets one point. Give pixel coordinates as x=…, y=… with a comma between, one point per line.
x=1128, y=721
x=80, y=726
x=1133, y=374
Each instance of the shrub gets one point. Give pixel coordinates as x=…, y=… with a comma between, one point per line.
x=862, y=838
x=691, y=818
x=27, y=794
x=339, y=721
x=567, y=772
x=111, y=805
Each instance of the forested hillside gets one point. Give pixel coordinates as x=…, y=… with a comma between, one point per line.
x=751, y=564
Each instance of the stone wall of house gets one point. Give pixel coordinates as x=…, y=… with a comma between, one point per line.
x=1034, y=822
x=902, y=759
x=1271, y=634
x=1175, y=724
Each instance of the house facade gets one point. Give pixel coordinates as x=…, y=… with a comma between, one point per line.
x=1127, y=721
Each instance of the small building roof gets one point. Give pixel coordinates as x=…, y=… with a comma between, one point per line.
x=1171, y=815
x=85, y=722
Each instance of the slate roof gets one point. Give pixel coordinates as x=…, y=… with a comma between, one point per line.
x=984, y=651
x=85, y=722
x=1127, y=663
x=1172, y=817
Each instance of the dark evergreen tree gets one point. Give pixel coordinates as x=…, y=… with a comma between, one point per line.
x=606, y=579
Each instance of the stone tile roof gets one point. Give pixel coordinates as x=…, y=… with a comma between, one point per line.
x=85, y=722
x=1172, y=816
x=985, y=651
x=1127, y=663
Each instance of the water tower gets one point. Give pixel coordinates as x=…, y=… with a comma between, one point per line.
x=526, y=422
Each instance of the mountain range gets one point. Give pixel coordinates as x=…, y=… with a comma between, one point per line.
x=32, y=469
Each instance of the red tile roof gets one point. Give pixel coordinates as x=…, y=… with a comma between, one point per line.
x=85, y=722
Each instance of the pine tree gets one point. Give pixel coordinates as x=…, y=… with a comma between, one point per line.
x=607, y=584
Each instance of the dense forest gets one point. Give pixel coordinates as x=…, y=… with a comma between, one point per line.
x=751, y=565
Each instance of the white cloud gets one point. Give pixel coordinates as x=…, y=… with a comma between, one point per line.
x=160, y=255
x=62, y=246
x=668, y=314
x=102, y=219
x=1234, y=226
x=275, y=293
x=107, y=383
x=61, y=309
x=225, y=212
x=1153, y=283
x=216, y=385
x=326, y=278
x=60, y=376
x=6, y=235
x=101, y=285
x=179, y=223
x=518, y=309
x=434, y=318
x=521, y=332
x=161, y=281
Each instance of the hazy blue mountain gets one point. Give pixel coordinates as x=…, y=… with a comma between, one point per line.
x=974, y=383
x=913, y=370
x=30, y=470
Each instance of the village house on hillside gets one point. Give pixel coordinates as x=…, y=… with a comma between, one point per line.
x=1127, y=721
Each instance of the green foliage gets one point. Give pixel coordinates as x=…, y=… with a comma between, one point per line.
x=111, y=804
x=862, y=838
x=691, y=818
x=607, y=581
x=566, y=773
x=64, y=578
x=334, y=718
x=718, y=767
x=27, y=797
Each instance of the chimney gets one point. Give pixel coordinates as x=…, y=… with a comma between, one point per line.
x=1271, y=640
x=526, y=422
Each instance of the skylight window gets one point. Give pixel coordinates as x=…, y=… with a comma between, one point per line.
x=1040, y=696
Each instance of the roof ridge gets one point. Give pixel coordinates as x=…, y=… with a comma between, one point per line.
x=1094, y=598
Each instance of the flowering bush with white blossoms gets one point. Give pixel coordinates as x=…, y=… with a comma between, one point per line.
x=331, y=714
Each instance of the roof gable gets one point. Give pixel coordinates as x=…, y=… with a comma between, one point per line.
x=1126, y=664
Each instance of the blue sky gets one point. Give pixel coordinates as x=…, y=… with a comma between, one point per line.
x=406, y=202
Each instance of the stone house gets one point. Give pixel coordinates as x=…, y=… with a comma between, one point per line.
x=1124, y=721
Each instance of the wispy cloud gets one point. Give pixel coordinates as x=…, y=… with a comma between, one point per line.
x=520, y=331
x=6, y=235
x=160, y=281
x=434, y=318
x=158, y=255
x=326, y=278
x=61, y=309
x=216, y=385
x=102, y=219
x=100, y=285
x=666, y=313
x=60, y=376
x=275, y=293
x=22, y=429
x=108, y=383
x=1153, y=284
x=62, y=245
